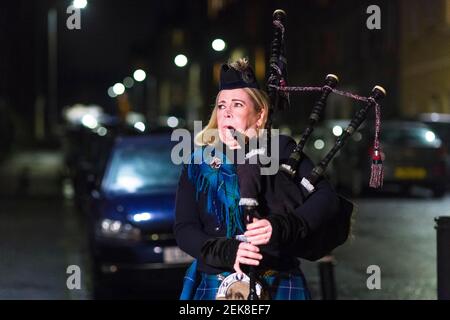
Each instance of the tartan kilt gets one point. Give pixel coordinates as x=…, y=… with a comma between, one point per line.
x=280, y=286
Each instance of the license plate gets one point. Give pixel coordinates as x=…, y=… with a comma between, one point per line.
x=175, y=255
x=414, y=173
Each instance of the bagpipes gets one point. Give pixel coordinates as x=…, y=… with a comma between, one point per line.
x=279, y=95
x=289, y=190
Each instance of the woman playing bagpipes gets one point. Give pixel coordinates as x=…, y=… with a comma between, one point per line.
x=247, y=230
x=210, y=223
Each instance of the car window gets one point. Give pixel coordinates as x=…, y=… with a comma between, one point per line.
x=141, y=169
x=411, y=136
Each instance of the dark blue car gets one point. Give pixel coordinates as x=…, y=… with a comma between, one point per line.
x=132, y=210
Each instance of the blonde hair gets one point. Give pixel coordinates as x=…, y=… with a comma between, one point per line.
x=259, y=98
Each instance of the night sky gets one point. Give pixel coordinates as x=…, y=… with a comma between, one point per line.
x=116, y=37
x=114, y=40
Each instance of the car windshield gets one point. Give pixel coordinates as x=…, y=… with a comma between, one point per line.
x=410, y=136
x=141, y=169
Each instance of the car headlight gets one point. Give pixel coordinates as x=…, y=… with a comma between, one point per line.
x=118, y=230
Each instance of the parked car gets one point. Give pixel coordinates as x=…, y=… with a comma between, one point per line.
x=131, y=211
x=413, y=155
x=440, y=123
x=86, y=147
x=412, y=152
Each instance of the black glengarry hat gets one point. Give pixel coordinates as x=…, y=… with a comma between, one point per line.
x=231, y=78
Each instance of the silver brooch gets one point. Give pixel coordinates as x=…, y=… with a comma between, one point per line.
x=215, y=163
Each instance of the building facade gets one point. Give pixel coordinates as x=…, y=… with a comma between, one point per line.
x=425, y=56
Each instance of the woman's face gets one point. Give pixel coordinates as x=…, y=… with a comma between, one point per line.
x=236, y=111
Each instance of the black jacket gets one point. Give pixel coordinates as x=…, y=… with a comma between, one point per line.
x=198, y=234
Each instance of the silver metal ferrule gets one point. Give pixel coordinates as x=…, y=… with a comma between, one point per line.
x=241, y=238
x=288, y=169
x=307, y=185
x=251, y=202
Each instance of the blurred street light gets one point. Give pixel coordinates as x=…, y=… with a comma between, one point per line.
x=80, y=4
x=218, y=45
x=139, y=75
x=128, y=82
x=181, y=60
x=118, y=88
x=89, y=121
x=111, y=92
x=172, y=122
x=102, y=131
x=337, y=131
x=140, y=126
x=319, y=144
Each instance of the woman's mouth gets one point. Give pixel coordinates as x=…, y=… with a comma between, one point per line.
x=231, y=136
x=229, y=133
x=231, y=128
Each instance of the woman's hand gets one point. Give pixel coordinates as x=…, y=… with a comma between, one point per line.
x=259, y=232
x=247, y=254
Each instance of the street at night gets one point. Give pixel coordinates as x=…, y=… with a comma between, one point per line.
x=393, y=232
x=398, y=235
x=224, y=150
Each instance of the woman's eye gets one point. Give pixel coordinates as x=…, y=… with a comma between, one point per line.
x=221, y=106
x=237, y=104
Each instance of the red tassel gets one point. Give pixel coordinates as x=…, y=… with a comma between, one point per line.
x=376, y=171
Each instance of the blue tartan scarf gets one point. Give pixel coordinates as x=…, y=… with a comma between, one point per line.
x=221, y=187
